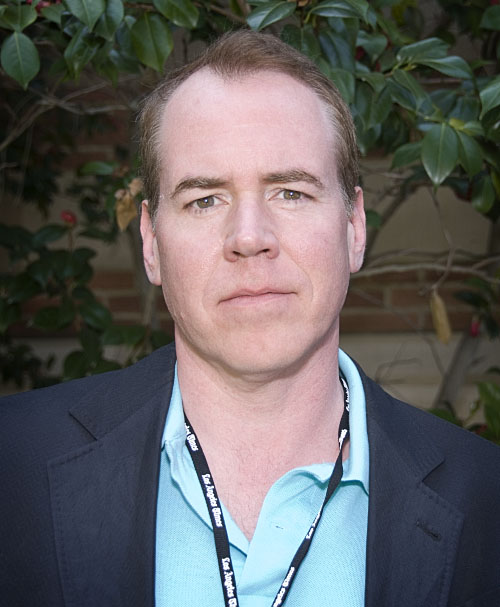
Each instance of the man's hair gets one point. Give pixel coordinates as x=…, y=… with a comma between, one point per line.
x=235, y=55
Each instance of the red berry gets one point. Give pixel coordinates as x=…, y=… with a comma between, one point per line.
x=475, y=325
x=69, y=218
x=360, y=53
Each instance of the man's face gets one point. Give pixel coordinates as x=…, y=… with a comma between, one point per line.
x=251, y=244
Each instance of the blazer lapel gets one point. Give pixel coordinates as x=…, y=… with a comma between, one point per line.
x=412, y=532
x=104, y=499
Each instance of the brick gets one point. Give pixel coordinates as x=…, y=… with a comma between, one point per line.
x=379, y=322
x=387, y=278
x=126, y=303
x=364, y=298
x=459, y=320
x=113, y=280
x=408, y=298
x=431, y=276
x=167, y=325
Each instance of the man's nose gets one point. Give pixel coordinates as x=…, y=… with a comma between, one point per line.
x=251, y=232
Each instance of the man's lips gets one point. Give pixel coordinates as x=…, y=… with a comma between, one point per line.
x=255, y=295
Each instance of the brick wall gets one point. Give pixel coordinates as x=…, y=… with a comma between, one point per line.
x=389, y=303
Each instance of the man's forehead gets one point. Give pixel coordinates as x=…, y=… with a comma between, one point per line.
x=206, y=87
x=213, y=121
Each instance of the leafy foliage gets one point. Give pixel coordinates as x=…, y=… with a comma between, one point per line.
x=411, y=95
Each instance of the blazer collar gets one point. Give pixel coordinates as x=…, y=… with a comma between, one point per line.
x=104, y=494
x=104, y=497
x=413, y=533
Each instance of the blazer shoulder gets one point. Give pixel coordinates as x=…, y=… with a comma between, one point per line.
x=469, y=464
x=49, y=411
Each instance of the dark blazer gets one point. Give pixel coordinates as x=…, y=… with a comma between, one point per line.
x=79, y=467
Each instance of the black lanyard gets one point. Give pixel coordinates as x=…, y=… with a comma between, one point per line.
x=219, y=527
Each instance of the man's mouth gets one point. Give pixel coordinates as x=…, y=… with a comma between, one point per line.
x=251, y=296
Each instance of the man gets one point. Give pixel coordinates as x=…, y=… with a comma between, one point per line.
x=255, y=431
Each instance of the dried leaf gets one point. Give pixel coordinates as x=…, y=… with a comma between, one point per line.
x=125, y=209
x=135, y=186
x=440, y=318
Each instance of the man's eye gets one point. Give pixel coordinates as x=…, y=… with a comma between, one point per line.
x=204, y=203
x=291, y=195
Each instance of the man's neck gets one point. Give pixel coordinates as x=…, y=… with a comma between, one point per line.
x=253, y=431
x=222, y=404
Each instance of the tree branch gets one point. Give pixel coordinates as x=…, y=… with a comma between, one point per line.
x=435, y=267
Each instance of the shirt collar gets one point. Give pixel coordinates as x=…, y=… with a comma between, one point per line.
x=356, y=467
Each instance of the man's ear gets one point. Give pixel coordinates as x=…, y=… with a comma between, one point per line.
x=150, y=251
x=356, y=236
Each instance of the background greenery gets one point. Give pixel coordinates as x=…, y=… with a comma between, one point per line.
x=433, y=109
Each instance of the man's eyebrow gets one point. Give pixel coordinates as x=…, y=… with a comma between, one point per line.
x=197, y=182
x=292, y=176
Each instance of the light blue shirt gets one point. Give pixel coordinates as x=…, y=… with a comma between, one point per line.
x=333, y=572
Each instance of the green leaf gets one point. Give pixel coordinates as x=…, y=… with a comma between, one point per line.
x=80, y=51
x=105, y=366
x=123, y=334
x=87, y=11
x=22, y=288
x=19, y=58
x=75, y=365
x=268, y=13
x=483, y=195
x=47, y=318
x=91, y=343
x=335, y=8
x=453, y=66
x=53, y=13
x=373, y=219
x=375, y=79
x=490, y=95
x=49, y=233
x=344, y=81
x=66, y=312
x=373, y=44
x=159, y=338
x=82, y=294
x=446, y=414
x=152, y=40
x=110, y=20
x=407, y=154
x=470, y=154
x=304, y=39
x=9, y=314
x=380, y=108
x=489, y=396
x=97, y=167
x=41, y=270
x=338, y=50
x=439, y=152
x=431, y=48
x=181, y=12
x=363, y=103
x=95, y=315
x=491, y=18
x=473, y=128
x=17, y=17
x=362, y=8
x=466, y=108
x=18, y=240
x=408, y=83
